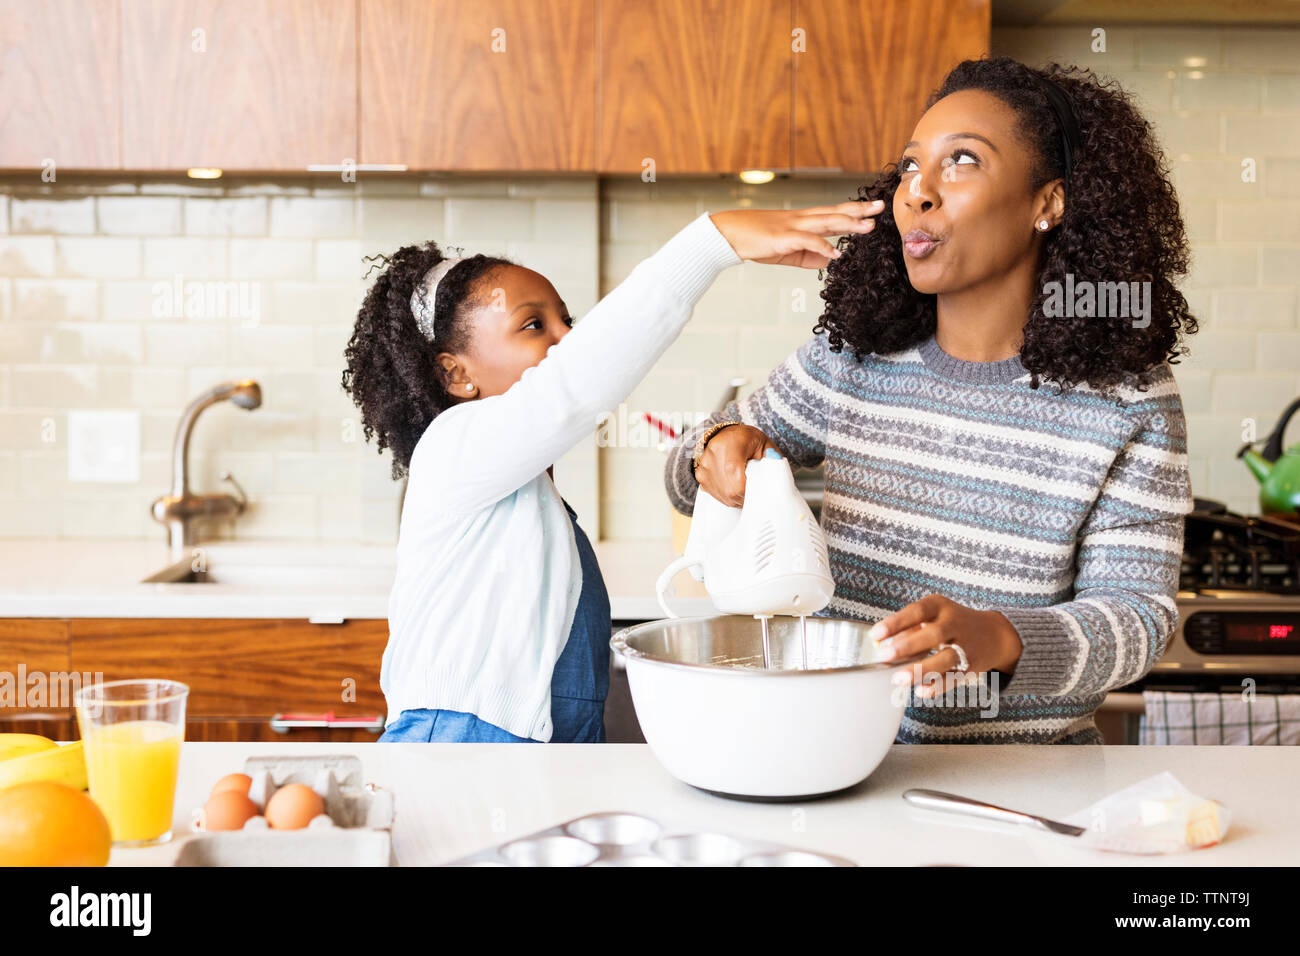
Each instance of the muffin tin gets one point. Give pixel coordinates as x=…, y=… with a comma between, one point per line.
x=354, y=830
x=630, y=839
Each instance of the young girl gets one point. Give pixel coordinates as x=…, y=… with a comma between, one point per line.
x=499, y=623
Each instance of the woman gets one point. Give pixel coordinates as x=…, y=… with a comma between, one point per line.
x=1030, y=535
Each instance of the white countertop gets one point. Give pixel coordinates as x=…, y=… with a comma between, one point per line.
x=294, y=579
x=455, y=799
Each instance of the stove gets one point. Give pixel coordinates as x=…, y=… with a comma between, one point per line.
x=1238, y=603
x=1257, y=554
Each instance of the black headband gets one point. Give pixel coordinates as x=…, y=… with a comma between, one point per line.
x=1066, y=120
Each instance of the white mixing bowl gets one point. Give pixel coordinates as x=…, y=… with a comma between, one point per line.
x=718, y=720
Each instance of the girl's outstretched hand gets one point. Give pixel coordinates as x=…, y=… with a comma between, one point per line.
x=795, y=237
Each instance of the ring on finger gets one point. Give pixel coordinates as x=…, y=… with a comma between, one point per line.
x=963, y=665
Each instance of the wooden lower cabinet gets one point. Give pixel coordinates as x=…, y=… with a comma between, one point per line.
x=63, y=727
x=241, y=728
x=57, y=725
x=242, y=673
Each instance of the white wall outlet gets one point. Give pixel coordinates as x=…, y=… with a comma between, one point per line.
x=103, y=446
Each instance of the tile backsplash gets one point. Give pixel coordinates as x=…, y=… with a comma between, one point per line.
x=90, y=318
x=139, y=294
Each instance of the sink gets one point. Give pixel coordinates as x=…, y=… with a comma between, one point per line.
x=291, y=573
x=179, y=573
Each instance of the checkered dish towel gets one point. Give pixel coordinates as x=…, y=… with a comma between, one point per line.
x=1174, y=717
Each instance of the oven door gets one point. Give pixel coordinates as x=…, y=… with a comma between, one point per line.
x=1230, y=674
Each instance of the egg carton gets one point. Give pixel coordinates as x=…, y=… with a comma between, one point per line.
x=617, y=838
x=354, y=830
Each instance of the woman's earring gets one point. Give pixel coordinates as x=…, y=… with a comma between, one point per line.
x=1043, y=225
x=469, y=386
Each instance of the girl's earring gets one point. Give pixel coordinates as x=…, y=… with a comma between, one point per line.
x=1043, y=225
x=469, y=386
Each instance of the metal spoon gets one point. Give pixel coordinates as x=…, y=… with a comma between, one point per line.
x=952, y=803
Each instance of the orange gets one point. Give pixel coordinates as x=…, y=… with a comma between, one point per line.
x=49, y=824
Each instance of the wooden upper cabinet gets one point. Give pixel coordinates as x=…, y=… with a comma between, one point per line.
x=59, y=93
x=697, y=86
x=863, y=80
x=239, y=84
x=491, y=85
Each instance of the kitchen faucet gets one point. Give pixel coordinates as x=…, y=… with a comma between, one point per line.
x=180, y=510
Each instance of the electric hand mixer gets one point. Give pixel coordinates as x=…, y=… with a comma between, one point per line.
x=765, y=558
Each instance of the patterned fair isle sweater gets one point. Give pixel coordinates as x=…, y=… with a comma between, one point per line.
x=1063, y=512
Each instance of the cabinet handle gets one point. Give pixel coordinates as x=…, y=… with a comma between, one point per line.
x=283, y=723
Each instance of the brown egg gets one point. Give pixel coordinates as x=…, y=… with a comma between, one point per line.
x=294, y=806
x=228, y=810
x=240, y=782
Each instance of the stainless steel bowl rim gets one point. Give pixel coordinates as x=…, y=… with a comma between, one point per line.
x=618, y=643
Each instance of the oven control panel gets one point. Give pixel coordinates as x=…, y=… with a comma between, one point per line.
x=1243, y=632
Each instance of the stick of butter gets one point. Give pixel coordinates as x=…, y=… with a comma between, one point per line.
x=1200, y=820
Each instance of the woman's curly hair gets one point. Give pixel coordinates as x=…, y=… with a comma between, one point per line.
x=391, y=373
x=1121, y=223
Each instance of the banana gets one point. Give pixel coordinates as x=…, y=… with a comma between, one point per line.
x=66, y=765
x=15, y=745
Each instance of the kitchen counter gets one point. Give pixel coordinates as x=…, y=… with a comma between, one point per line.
x=455, y=799
x=293, y=579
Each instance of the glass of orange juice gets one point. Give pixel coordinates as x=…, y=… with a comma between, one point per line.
x=133, y=731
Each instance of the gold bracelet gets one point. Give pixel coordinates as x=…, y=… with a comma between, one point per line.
x=704, y=440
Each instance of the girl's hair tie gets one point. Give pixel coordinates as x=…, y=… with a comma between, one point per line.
x=422, y=299
x=1066, y=119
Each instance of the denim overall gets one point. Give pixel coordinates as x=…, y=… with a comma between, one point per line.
x=579, y=683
